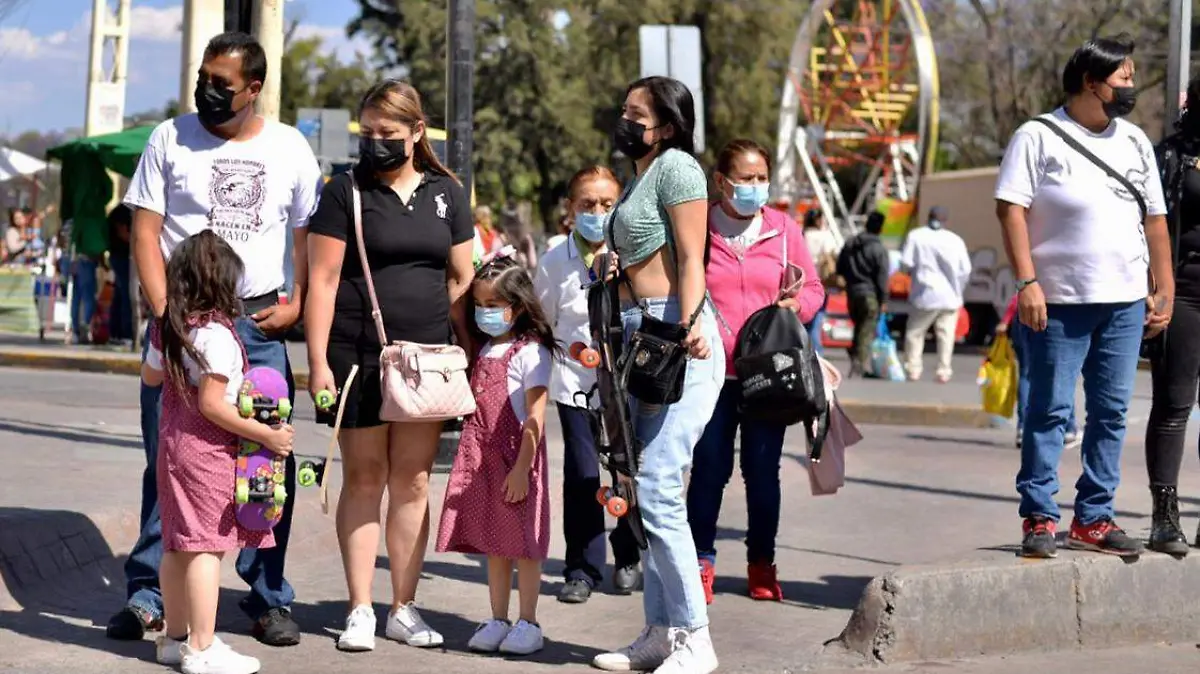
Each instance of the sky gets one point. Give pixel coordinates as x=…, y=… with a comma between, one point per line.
x=44, y=56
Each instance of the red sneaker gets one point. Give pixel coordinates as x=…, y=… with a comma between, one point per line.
x=708, y=574
x=764, y=582
x=1103, y=536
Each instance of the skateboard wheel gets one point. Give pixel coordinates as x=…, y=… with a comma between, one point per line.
x=280, y=495
x=589, y=358
x=324, y=400
x=603, y=495
x=242, y=495
x=617, y=506
x=576, y=349
x=285, y=409
x=246, y=406
x=307, y=475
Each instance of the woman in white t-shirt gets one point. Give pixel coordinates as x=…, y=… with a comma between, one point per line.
x=1081, y=242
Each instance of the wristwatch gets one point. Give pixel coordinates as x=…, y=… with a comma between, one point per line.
x=1025, y=283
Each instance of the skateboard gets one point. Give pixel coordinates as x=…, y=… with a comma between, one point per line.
x=608, y=405
x=259, y=475
x=312, y=473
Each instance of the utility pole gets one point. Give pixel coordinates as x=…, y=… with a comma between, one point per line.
x=460, y=100
x=202, y=21
x=1178, y=61
x=106, y=81
x=268, y=30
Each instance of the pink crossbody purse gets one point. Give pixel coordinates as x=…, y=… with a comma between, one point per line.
x=420, y=382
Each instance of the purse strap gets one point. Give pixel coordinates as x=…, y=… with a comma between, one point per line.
x=1112, y=172
x=376, y=314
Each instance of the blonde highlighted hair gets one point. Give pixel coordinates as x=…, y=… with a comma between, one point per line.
x=400, y=101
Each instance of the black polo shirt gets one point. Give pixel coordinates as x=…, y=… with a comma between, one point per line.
x=408, y=248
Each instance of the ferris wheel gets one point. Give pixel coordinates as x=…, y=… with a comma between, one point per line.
x=860, y=100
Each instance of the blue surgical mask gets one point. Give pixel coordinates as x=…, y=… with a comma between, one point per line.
x=491, y=321
x=935, y=224
x=748, y=199
x=591, y=225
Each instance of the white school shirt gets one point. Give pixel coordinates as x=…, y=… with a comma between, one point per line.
x=530, y=368
x=248, y=192
x=1086, y=233
x=221, y=351
x=940, y=267
x=559, y=284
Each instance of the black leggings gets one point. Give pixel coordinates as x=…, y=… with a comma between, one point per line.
x=1176, y=376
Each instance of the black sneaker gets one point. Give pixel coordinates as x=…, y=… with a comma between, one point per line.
x=276, y=628
x=576, y=591
x=1038, y=541
x=131, y=624
x=627, y=579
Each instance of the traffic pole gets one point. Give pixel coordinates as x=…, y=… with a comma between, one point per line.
x=1178, y=61
x=268, y=30
x=460, y=28
x=202, y=21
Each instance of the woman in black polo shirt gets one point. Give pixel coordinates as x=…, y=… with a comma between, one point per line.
x=418, y=232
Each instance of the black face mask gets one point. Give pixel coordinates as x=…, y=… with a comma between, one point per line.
x=1123, y=102
x=382, y=155
x=627, y=138
x=214, y=105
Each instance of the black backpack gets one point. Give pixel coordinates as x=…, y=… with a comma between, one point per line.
x=780, y=375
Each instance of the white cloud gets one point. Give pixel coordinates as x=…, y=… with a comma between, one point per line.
x=334, y=40
x=161, y=24
x=18, y=43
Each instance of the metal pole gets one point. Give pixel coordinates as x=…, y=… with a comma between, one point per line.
x=268, y=30
x=1178, y=61
x=460, y=28
x=202, y=21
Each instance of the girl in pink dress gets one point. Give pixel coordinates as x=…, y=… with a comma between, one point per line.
x=498, y=500
x=196, y=356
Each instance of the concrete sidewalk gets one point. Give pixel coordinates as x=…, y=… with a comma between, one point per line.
x=924, y=403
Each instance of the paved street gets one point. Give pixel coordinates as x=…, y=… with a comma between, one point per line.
x=70, y=445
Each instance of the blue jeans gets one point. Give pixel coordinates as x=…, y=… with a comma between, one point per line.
x=672, y=595
x=1100, y=341
x=814, y=331
x=83, y=295
x=761, y=451
x=1020, y=335
x=120, y=315
x=262, y=570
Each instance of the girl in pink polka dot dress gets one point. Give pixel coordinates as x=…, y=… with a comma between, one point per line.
x=497, y=500
x=196, y=356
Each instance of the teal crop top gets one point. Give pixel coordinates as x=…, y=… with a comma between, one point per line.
x=640, y=225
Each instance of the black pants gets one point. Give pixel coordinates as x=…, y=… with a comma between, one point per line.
x=1176, y=376
x=583, y=516
x=864, y=311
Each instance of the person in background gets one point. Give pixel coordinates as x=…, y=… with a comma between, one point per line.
x=757, y=255
x=488, y=239
x=823, y=249
x=1175, y=363
x=560, y=285
x=1018, y=336
x=120, y=312
x=863, y=264
x=15, y=244
x=1081, y=249
x=939, y=264
x=562, y=230
x=89, y=241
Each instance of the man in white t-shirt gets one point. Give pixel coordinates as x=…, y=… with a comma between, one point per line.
x=250, y=180
x=1080, y=245
x=940, y=266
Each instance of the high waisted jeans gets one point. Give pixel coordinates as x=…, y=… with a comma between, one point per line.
x=672, y=593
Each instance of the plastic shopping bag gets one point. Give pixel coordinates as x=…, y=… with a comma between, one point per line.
x=997, y=379
x=885, y=360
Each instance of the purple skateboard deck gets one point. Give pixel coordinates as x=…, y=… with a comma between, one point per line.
x=259, y=476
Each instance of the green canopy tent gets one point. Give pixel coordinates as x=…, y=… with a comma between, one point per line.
x=87, y=188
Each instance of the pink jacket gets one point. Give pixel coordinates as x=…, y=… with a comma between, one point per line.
x=739, y=287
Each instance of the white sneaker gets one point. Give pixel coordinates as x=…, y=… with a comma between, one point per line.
x=692, y=653
x=406, y=624
x=216, y=659
x=359, y=634
x=489, y=635
x=649, y=650
x=166, y=651
x=523, y=639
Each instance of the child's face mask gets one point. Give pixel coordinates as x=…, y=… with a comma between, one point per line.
x=493, y=321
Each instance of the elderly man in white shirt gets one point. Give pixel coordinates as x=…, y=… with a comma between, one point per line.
x=940, y=266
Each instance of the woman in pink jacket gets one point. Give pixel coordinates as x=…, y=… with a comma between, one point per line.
x=747, y=270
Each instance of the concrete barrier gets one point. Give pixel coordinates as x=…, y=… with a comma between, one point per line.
x=1007, y=605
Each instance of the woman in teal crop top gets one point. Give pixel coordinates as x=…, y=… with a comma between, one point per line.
x=659, y=231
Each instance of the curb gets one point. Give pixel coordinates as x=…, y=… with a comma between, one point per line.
x=885, y=414
x=1011, y=606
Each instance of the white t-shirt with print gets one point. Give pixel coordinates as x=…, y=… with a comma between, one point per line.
x=1086, y=234
x=248, y=192
x=530, y=368
x=221, y=351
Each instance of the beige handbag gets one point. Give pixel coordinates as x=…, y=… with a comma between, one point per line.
x=420, y=382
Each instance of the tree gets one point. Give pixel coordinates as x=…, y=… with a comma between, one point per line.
x=311, y=78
